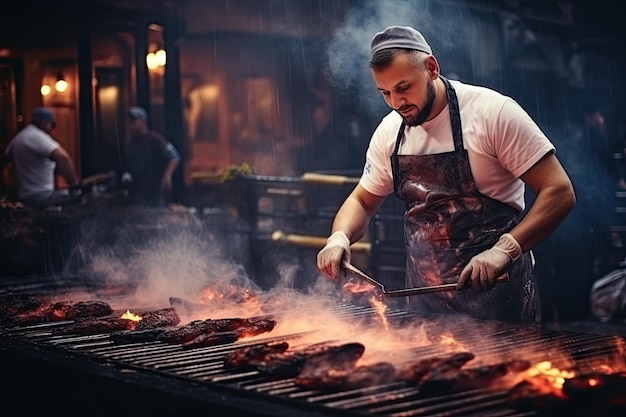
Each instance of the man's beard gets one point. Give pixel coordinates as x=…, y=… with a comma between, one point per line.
x=423, y=114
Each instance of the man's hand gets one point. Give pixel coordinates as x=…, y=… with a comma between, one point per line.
x=336, y=251
x=483, y=269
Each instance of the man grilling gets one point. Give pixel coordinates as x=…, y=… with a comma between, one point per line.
x=459, y=156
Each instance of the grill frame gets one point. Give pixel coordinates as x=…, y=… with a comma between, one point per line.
x=99, y=376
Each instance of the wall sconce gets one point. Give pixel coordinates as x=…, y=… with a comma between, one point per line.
x=156, y=59
x=61, y=85
x=45, y=90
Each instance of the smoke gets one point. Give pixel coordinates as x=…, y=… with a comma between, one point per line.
x=449, y=27
x=153, y=254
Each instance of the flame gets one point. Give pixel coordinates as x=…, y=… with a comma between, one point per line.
x=357, y=286
x=131, y=316
x=553, y=376
x=450, y=341
x=380, y=308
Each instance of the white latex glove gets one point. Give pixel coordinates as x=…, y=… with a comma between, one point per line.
x=483, y=269
x=336, y=251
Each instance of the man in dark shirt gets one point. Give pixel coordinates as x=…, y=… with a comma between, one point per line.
x=151, y=160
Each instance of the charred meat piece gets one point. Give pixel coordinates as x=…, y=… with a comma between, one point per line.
x=149, y=320
x=254, y=327
x=368, y=375
x=326, y=369
x=242, y=327
x=9, y=308
x=454, y=380
x=158, y=318
x=93, y=326
x=61, y=310
x=84, y=309
x=254, y=356
x=346, y=377
x=212, y=339
x=247, y=328
x=193, y=329
x=146, y=335
x=414, y=373
x=275, y=361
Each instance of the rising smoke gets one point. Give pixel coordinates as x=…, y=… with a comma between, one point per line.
x=453, y=31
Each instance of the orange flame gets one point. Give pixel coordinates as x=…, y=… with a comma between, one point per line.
x=130, y=316
x=357, y=286
x=450, y=341
x=380, y=308
x=554, y=376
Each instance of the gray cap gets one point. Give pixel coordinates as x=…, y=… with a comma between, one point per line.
x=43, y=115
x=404, y=37
x=137, y=112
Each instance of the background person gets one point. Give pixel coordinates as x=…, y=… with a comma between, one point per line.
x=459, y=156
x=151, y=161
x=36, y=156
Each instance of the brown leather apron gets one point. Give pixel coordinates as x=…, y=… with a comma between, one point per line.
x=447, y=221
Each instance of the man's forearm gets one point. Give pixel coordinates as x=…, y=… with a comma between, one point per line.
x=65, y=167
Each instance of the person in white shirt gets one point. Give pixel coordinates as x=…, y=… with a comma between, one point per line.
x=36, y=156
x=459, y=156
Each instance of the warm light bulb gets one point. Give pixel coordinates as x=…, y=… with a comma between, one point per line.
x=151, y=61
x=160, y=57
x=45, y=90
x=61, y=85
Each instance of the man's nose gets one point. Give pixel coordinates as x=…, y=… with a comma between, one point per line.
x=395, y=101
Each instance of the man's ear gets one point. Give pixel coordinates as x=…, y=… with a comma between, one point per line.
x=432, y=66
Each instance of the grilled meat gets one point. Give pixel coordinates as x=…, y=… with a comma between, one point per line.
x=254, y=356
x=212, y=339
x=275, y=361
x=194, y=333
x=158, y=318
x=230, y=334
x=146, y=335
x=347, y=377
x=453, y=380
x=327, y=369
x=414, y=373
x=149, y=320
x=193, y=329
x=92, y=326
x=11, y=307
x=59, y=311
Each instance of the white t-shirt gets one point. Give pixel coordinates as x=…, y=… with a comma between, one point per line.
x=502, y=142
x=30, y=152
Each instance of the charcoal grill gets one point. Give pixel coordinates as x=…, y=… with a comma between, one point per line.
x=96, y=375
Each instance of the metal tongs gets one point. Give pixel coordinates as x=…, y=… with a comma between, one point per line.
x=409, y=291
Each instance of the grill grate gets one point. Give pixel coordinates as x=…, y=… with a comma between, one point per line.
x=171, y=366
x=205, y=365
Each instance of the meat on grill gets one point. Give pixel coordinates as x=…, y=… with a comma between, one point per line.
x=93, y=326
x=325, y=369
x=89, y=326
x=158, y=318
x=212, y=339
x=254, y=356
x=11, y=307
x=345, y=376
x=419, y=370
x=449, y=379
x=146, y=335
x=275, y=361
x=58, y=311
x=243, y=328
